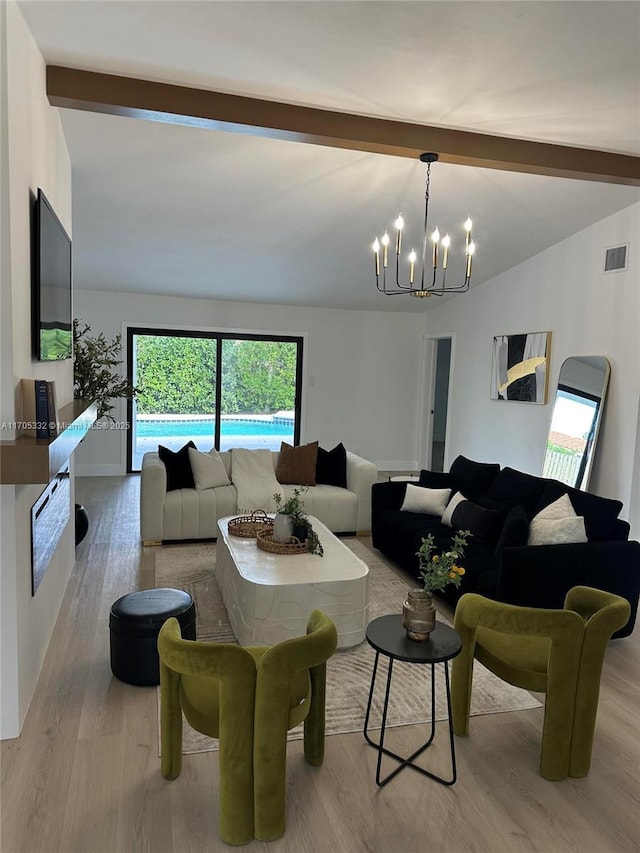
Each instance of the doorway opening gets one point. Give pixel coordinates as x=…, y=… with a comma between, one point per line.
x=439, y=352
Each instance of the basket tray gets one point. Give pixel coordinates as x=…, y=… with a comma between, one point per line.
x=264, y=541
x=248, y=526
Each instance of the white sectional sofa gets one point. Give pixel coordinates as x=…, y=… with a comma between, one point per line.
x=191, y=514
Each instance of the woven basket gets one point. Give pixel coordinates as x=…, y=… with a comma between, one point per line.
x=264, y=541
x=248, y=526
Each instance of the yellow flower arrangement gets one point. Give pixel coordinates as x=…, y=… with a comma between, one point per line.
x=439, y=570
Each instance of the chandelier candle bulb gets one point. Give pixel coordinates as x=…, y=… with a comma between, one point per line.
x=468, y=225
x=399, y=223
x=385, y=246
x=446, y=242
x=376, y=249
x=472, y=248
x=435, y=237
x=412, y=265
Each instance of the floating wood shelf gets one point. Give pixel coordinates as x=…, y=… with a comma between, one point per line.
x=38, y=460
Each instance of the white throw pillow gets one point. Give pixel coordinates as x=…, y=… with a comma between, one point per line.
x=208, y=469
x=430, y=501
x=453, y=503
x=557, y=531
x=557, y=524
x=562, y=508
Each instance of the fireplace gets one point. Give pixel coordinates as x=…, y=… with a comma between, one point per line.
x=50, y=515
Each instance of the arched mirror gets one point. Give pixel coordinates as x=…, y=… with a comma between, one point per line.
x=577, y=412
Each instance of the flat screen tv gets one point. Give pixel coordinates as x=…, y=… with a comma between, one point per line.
x=51, y=291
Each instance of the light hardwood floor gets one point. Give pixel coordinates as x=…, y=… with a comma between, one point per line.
x=84, y=776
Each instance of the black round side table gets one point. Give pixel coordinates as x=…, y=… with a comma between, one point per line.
x=387, y=636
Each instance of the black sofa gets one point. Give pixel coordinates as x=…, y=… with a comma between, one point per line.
x=498, y=561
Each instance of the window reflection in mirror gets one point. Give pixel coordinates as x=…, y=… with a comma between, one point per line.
x=577, y=412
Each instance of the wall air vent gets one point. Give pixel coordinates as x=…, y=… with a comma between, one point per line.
x=615, y=258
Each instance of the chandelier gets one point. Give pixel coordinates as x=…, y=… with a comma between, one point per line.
x=432, y=278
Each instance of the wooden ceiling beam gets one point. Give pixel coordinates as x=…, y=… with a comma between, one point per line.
x=128, y=96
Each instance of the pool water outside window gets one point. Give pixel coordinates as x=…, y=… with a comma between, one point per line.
x=174, y=433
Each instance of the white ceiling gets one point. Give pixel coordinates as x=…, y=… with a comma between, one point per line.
x=175, y=210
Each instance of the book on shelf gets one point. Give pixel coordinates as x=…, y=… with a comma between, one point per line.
x=39, y=410
x=52, y=408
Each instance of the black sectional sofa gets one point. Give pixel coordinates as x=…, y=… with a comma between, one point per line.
x=498, y=561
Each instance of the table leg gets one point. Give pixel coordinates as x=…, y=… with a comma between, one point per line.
x=373, y=684
x=408, y=762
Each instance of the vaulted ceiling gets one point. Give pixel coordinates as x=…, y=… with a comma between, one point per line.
x=170, y=209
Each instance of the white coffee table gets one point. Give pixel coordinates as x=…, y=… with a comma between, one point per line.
x=269, y=596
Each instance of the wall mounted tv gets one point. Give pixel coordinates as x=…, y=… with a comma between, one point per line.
x=51, y=285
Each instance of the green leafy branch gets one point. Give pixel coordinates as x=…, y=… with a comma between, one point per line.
x=439, y=570
x=95, y=374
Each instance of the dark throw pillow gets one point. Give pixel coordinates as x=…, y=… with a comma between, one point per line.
x=331, y=466
x=437, y=480
x=488, y=503
x=297, y=465
x=178, y=466
x=483, y=524
x=514, y=488
x=515, y=531
x=473, y=478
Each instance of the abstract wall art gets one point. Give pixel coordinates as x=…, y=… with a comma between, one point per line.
x=520, y=367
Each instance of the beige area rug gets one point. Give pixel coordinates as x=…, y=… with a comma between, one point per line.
x=192, y=568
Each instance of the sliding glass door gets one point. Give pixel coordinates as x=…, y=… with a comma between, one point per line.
x=215, y=389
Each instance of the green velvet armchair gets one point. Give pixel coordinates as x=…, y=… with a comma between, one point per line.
x=556, y=652
x=248, y=697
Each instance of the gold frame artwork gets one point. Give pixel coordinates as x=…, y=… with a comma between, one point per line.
x=520, y=367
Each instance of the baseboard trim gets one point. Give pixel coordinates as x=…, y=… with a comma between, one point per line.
x=400, y=466
x=99, y=471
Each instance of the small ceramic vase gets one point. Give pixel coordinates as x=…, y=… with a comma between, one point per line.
x=282, y=527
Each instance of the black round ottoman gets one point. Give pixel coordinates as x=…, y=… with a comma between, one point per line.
x=82, y=523
x=134, y=624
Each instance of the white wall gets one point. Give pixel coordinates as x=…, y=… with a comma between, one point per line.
x=361, y=370
x=33, y=154
x=561, y=290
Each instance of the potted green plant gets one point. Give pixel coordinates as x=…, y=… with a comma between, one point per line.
x=95, y=374
x=291, y=520
x=437, y=571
